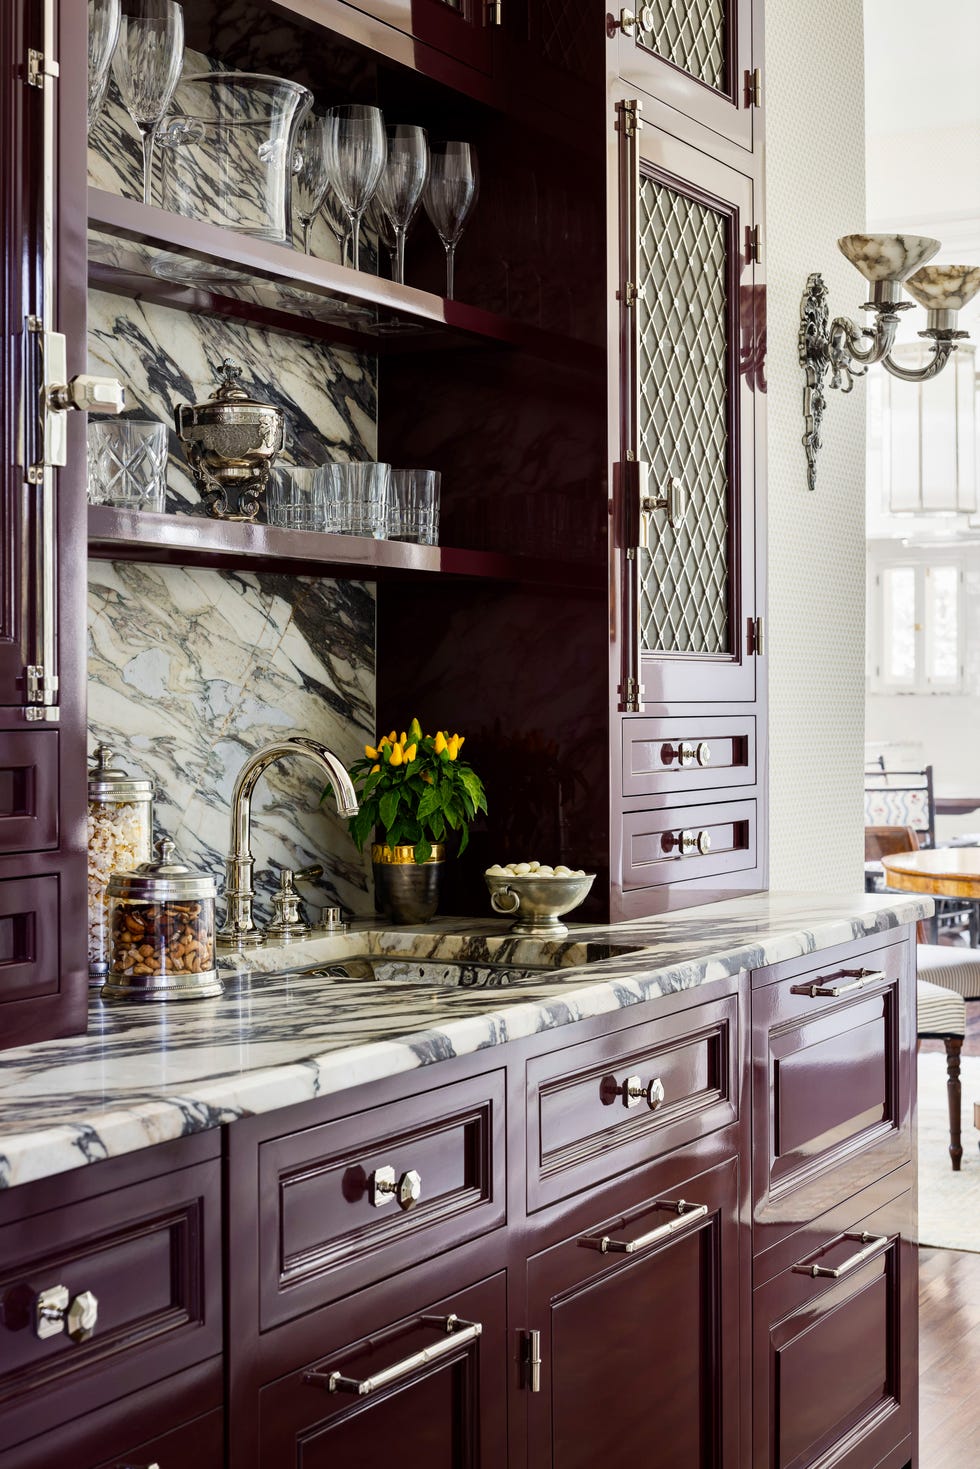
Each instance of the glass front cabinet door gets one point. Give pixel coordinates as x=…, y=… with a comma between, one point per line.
x=686, y=473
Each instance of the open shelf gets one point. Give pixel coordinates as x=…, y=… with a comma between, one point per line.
x=141, y=251
x=192, y=540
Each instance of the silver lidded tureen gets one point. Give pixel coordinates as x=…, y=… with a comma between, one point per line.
x=231, y=443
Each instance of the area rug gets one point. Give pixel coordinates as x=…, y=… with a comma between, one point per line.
x=949, y=1203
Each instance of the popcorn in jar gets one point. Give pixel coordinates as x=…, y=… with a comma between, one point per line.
x=120, y=832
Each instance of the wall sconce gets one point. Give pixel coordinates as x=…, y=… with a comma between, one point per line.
x=846, y=351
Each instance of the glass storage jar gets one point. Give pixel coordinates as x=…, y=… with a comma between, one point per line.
x=161, y=932
x=120, y=834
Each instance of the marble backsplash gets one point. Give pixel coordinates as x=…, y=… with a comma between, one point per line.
x=191, y=671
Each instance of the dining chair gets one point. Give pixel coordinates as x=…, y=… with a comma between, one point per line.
x=941, y=1014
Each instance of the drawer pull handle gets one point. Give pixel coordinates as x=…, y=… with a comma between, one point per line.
x=695, y=843
x=859, y=980
x=686, y=753
x=54, y=1311
x=871, y=1243
x=687, y=1214
x=633, y=1092
x=458, y=1334
x=408, y=1189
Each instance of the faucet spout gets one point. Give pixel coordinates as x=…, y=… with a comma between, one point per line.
x=238, y=930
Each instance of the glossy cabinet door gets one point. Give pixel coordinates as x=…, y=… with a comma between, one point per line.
x=697, y=58
x=403, y=1394
x=687, y=475
x=43, y=980
x=639, y=1350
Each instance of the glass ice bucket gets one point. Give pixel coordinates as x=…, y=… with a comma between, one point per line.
x=227, y=151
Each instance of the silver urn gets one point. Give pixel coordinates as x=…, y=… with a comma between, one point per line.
x=231, y=443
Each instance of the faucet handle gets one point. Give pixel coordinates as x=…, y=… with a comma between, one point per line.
x=307, y=874
x=288, y=922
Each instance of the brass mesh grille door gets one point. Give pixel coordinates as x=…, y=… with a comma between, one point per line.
x=682, y=418
x=691, y=36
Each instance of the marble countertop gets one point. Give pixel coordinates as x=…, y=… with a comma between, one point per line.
x=146, y=1073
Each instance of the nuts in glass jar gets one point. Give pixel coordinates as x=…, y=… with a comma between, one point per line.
x=163, y=938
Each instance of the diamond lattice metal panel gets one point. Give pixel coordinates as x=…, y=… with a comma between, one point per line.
x=683, y=419
x=692, y=36
x=567, y=32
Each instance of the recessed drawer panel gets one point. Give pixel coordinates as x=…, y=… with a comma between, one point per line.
x=28, y=790
x=30, y=951
x=104, y=1296
x=831, y=1085
x=350, y=1201
x=692, y=754
x=680, y=843
x=600, y=1108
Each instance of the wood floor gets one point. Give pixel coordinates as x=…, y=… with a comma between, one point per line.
x=949, y=1360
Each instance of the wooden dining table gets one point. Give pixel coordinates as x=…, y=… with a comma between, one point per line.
x=956, y=805
x=946, y=872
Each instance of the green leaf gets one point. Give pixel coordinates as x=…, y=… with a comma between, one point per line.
x=423, y=850
x=438, y=828
x=464, y=839
x=360, y=827
x=388, y=807
x=431, y=801
x=472, y=785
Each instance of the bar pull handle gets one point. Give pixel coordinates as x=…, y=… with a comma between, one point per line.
x=458, y=1334
x=859, y=980
x=871, y=1242
x=687, y=1214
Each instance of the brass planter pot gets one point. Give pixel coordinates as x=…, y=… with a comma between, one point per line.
x=406, y=891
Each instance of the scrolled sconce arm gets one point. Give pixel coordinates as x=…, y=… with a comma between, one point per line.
x=941, y=353
x=850, y=344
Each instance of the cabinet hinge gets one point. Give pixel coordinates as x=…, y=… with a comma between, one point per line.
x=757, y=636
x=753, y=88
x=632, y=691
x=531, y=1358
x=630, y=109
x=39, y=66
x=629, y=294
x=751, y=243
x=41, y=686
x=493, y=13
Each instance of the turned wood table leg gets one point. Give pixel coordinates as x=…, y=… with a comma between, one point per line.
x=954, y=1045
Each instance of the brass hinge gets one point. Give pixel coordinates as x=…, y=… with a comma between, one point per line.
x=757, y=636
x=629, y=294
x=630, y=108
x=751, y=243
x=493, y=13
x=753, y=88
x=39, y=67
x=531, y=1357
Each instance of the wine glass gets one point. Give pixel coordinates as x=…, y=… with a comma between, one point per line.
x=401, y=183
x=450, y=193
x=103, y=33
x=379, y=224
x=310, y=182
x=355, y=138
x=146, y=66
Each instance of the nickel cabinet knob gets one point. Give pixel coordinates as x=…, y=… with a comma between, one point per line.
x=407, y=1190
x=695, y=843
x=55, y=1311
x=686, y=753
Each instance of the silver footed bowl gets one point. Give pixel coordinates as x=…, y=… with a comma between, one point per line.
x=537, y=903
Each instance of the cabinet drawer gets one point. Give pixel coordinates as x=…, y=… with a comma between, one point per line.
x=30, y=949
x=326, y=1228
x=831, y=1085
x=197, y=1445
x=835, y=1358
x=580, y=1130
x=692, y=754
x=28, y=790
x=449, y=1411
x=149, y=1255
x=678, y=844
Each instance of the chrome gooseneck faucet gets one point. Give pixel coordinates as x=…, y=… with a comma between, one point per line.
x=238, y=930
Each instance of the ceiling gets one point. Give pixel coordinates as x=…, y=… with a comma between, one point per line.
x=922, y=65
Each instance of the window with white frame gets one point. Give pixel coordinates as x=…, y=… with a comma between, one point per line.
x=915, y=623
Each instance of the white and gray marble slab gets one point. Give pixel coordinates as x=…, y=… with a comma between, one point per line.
x=147, y=1073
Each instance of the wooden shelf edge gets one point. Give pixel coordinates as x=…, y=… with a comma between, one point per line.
x=191, y=540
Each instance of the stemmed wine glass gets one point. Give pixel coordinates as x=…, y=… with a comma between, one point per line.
x=356, y=150
x=146, y=66
x=400, y=185
x=310, y=182
x=103, y=33
x=379, y=224
x=450, y=193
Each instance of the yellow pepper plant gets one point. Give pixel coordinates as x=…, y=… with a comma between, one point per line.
x=415, y=789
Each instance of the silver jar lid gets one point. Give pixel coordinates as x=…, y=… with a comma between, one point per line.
x=165, y=878
x=108, y=782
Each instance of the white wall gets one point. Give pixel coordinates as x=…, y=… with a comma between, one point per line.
x=815, y=140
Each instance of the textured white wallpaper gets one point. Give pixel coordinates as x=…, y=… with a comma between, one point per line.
x=815, y=175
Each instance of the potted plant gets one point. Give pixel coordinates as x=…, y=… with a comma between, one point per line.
x=414, y=792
